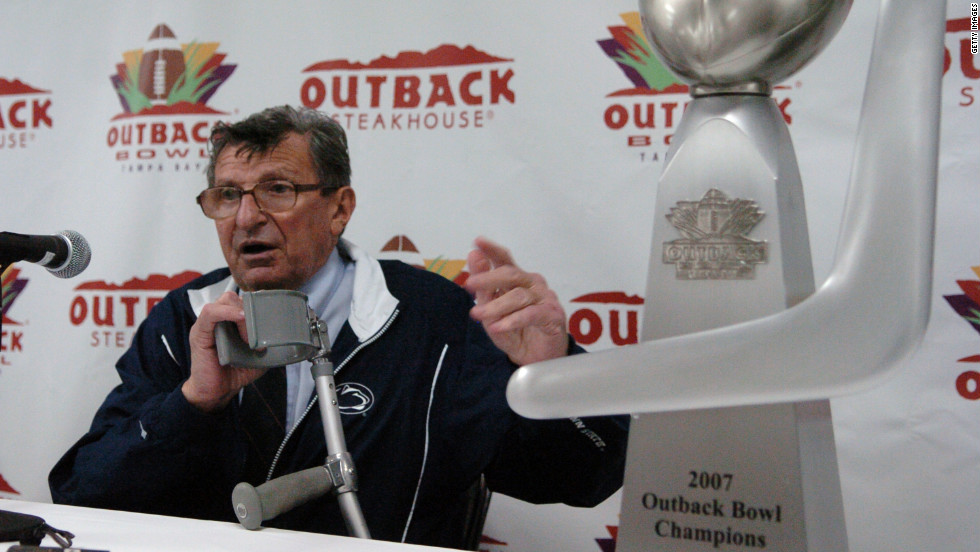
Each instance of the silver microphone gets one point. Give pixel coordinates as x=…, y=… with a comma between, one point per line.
x=65, y=254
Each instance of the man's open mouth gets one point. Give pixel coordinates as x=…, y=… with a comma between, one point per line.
x=255, y=248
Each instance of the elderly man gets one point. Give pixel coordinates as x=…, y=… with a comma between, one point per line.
x=428, y=367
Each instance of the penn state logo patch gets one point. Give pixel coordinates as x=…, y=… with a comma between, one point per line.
x=354, y=398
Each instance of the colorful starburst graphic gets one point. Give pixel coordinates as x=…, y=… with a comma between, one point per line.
x=166, y=77
x=609, y=544
x=967, y=305
x=634, y=56
x=12, y=286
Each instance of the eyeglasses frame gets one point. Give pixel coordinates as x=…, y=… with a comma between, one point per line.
x=299, y=188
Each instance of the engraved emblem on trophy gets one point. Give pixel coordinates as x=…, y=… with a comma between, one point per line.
x=715, y=245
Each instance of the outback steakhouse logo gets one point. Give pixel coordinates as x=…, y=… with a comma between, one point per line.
x=164, y=89
x=447, y=87
x=24, y=110
x=113, y=311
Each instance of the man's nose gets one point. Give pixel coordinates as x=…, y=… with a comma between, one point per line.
x=249, y=213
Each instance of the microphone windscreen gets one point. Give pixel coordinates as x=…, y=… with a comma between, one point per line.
x=78, y=257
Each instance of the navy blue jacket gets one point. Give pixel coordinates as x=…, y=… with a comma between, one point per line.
x=439, y=419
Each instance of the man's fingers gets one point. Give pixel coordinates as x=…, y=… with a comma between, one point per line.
x=521, y=314
x=213, y=313
x=504, y=305
x=234, y=301
x=479, y=264
x=538, y=317
x=498, y=254
x=202, y=332
x=499, y=281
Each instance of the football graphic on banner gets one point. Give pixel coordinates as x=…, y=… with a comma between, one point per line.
x=162, y=64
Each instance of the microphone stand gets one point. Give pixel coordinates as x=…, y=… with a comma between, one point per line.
x=253, y=505
x=339, y=463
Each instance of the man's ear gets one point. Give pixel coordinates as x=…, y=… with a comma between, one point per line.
x=346, y=201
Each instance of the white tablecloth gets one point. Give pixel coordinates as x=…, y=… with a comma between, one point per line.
x=117, y=531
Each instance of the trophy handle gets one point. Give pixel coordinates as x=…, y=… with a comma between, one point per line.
x=860, y=324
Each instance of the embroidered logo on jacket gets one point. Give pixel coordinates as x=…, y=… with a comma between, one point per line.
x=354, y=398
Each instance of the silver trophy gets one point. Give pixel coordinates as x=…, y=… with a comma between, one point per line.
x=739, y=354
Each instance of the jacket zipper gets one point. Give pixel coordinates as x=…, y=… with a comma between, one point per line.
x=309, y=407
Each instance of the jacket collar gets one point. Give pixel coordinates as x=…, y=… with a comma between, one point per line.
x=372, y=304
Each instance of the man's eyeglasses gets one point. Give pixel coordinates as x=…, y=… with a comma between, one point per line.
x=272, y=196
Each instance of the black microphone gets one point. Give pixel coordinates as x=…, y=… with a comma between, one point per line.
x=65, y=254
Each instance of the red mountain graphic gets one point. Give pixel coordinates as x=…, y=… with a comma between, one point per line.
x=609, y=297
x=5, y=487
x=154, y=282
x=179, y=108
x=446, y=55
x=16, y=86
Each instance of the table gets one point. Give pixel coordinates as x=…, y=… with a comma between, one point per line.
x=118, y=531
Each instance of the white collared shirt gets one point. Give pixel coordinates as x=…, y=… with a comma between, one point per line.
x=329, y=292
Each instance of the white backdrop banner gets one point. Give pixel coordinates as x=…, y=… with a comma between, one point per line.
x=542, y=125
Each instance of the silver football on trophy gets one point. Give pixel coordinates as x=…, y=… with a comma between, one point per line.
x=739, y=45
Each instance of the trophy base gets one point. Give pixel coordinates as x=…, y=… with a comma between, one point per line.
x=744, y=478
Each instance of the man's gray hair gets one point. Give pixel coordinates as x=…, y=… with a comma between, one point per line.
x=264, y=131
